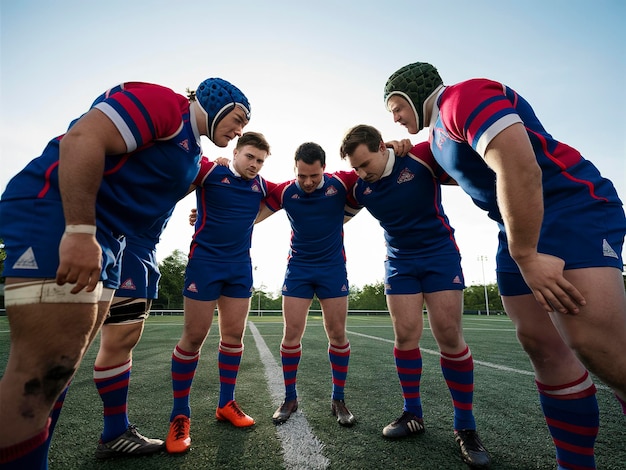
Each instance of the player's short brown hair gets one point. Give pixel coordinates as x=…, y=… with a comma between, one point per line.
x=361, y=134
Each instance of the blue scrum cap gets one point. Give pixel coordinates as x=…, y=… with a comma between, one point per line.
x=217, y=98
x=415, y=83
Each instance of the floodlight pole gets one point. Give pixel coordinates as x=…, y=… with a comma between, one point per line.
x=482, y=260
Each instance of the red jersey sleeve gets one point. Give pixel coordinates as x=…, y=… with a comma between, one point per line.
x=474, y=109
x=145, y=112
x=274, y=199
x=422, y=153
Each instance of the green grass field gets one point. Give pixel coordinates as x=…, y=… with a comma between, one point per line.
x=506, y=404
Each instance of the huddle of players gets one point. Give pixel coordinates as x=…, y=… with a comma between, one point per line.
x=499, y=153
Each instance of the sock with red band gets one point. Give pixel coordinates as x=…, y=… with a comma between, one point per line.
x=409, y=367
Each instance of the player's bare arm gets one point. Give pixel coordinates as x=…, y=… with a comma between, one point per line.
x=264, y=213
x=81, y=164
x=520, y=200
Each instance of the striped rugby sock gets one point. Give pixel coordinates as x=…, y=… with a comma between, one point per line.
x=184, y=365
x=339, y=357
x=409, y=367
x=458, y=371
x=572, y=414
x=290, y=358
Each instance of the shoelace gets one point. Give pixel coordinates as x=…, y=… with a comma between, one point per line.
x=237, y=410
x=179, y=428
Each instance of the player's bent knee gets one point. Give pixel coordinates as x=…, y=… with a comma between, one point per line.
x=129, y=311
x=47, y=291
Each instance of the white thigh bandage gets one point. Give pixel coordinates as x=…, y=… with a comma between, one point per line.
x=107, y=294
x=47, y=291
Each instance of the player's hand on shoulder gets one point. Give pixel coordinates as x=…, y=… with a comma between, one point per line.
x=222, y=161
x=400, y=147
x=193, y=216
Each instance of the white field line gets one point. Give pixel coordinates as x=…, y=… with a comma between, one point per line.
x=301, y=448
x=482, y=363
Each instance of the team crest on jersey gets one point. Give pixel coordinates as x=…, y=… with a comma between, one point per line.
x=330, y=191
x=27, y=260
x=456, y=280
x=255, y=187
x=184, y=144
x=367, y=191
x=440, y=136
x=405, y=176
x=295, y=196
x=225, y=180
x=193, y=288
x=128, y=284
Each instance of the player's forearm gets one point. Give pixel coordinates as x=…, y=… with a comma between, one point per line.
x=80, y=175
x=521, y=206
x=519, y=189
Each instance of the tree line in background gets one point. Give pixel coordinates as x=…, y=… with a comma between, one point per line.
x=368, y=297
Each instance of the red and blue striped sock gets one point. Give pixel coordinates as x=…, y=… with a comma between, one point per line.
x=458, y=371
x=228, y=360
x=339, y=357
x=30, y=454
x=112, y=384
x=572, y=414
x=409, y=367
x=56, y=413
x=184, y=365
x=290, y=358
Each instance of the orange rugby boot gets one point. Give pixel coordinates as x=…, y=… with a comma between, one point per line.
x=178, y=440
x=231, y=412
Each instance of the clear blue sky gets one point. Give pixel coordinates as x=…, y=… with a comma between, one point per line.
x=311, y=72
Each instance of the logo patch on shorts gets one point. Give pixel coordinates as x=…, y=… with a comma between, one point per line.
x=607, y=250
x=128, y=284
x=27, y=260
x=192, y=287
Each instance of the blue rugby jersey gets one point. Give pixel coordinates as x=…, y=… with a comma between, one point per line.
x=227, y=208
x=140, y=186
x=406, y=201
x=470, y=114
x=316, y=218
